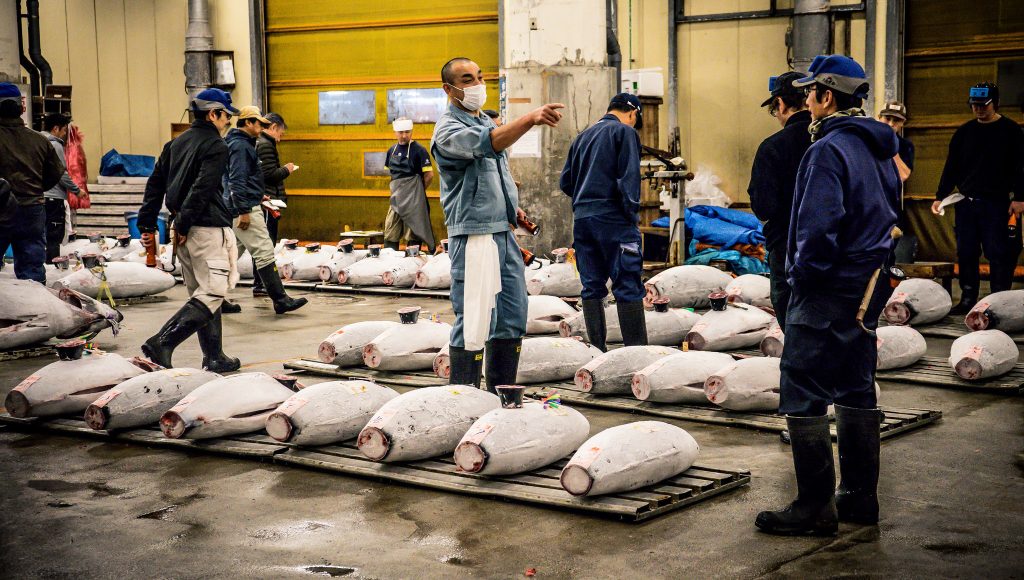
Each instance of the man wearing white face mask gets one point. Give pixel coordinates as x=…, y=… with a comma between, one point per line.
x=481, y=204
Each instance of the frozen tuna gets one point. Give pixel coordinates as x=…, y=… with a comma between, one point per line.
x=750, y=384
x=343, y=258
x=126, y=280
x=1000, y=311
x=327, y=412
x=678, y=378
x=31, y=313
x=667, y=327
x=344, y=347
x=225, y=406
x=753, y=289
x=92, y=244
x=612, y=372
x=735, y=326
x=424, y=423
x=69, y=386
x=443, y=362
x=773, y=342
x=305, y=265
x=124, y=248
x=545, y=313
x=629, y=457
x=918, y=301
x=687, y=286
x=402, y=273
x=545, y=359
x=508, y=441
x=143, y=399
x=559, y=278
x=411, y=345
x=436, y=273
x=899, y=346
x=245, y=266
x=983, y=354
x=370, y=270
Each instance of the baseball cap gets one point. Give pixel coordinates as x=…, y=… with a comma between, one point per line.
x=9, y=91
x=252, y=112
x=894, y=109
x=781, y=85
x=838, y=73
x=983, y=94
x=631, y=101
x=210, y=99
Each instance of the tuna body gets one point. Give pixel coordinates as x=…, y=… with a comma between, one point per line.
x=69, y=386
x=753, y=289
x=546, y=359
x=687, y=286
x=899, y=346
x=678, y=378
x=612, y=372
x=344, y=347
x=407, y=347
x=327, y=412
x=917, y=301
x=1000, y=311
x=738, y=326
x=750, y=384
x=436, y=273
x=143, y=399
x=226, y=406
x=125, y=279
x=983, y=354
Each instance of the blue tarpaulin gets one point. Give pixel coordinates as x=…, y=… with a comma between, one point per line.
x=116, y=164
x=738, y=263
x=719, y=226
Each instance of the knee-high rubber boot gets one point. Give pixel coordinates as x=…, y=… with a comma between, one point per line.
x=257, y=283
x=502, y=362
x=211, y=342
x=230, y=307
x=856, y=498
x=813, y=513
x=275, y=289
x=466, y=366
x=597, y=328
x=185, y=322
x=633, y=323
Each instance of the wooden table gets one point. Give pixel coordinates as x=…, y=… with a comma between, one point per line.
x=942, y=270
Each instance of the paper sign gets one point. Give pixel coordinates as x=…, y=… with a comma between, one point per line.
x=528, y=145
x=948, y=201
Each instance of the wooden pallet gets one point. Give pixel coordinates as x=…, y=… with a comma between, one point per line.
x=136, y=300
x=897, y=420
x=954, y=327
x=539, y=487
x=386, y=291
x=934, y=371
x=26, y=352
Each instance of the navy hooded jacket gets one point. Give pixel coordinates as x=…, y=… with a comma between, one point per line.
x=844, y=208
x=243, y=180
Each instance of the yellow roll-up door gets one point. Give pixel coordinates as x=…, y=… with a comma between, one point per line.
x=359, y=45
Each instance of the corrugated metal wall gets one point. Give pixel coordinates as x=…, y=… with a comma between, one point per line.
x=324, y=45
x=950, y=46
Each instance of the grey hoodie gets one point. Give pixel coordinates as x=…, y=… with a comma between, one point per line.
x=59, y=191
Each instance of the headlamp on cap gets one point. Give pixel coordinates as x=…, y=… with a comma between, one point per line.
x=983, y=94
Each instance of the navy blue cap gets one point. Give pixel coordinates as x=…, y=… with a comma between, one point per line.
x=9, y=91
x=781, y=85
x=210, y=99
x=631, y=101
x=983, y=94
x=838, y=73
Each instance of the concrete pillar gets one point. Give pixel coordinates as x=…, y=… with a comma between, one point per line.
x=552, y=51
x=10, y=61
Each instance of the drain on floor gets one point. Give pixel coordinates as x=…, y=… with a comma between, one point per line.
x=333, y=571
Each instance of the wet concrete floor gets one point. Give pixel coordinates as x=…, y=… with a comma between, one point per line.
x=950, y=496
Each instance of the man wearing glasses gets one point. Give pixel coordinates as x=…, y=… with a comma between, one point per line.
x=773, y=175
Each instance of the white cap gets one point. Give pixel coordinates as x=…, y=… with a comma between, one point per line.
x=402, y=125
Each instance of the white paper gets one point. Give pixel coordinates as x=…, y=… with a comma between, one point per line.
x=528, y=145
x=948, y=201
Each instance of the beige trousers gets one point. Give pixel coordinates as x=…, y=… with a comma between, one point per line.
x=207, y=266
x=255, y=238
x=395, y=229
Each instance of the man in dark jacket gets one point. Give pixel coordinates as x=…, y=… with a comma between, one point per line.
x=984, y=164
x=188, y=179
x=243, y=187
x=274, y=175
x=30, y=166
x=773, y=175
x=602, y=175
x=844, y=211
x=55, y=129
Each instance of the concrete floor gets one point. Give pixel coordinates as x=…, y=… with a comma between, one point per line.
x=950, y=495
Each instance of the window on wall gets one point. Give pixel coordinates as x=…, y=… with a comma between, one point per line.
x=420, y=105
x=348, y=107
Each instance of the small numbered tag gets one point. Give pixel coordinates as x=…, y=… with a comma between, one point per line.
x=587, y=457
x=26, y=383
x=478, y=434
x=380, y=418
x=291, y=405
x=107, y=397
x=183, y=403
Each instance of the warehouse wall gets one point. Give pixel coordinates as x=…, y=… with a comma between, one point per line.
x=125, y=60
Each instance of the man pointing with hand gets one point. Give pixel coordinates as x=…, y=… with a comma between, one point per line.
x=481, y=203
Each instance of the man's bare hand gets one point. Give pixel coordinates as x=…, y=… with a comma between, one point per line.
x=935, y=206
x=1017, y=207
x=243, y=222
x=291, y=167
x=181, y=238
x=547, y=115
x=520, y=214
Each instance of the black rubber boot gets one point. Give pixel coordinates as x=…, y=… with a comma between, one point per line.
x=502, y=362
x=275, y=289
x=856, y=498
x=632, y=322
x=257, y=283
x=230, y=307
x=466, y=366
x=211, y=342
x=813, y=513
x=185, y=322
x=597, y=328
x=391, y=245
x=968, y=298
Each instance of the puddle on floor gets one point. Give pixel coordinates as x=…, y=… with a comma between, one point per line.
x=327, y=570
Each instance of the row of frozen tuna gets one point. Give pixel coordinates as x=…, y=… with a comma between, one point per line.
x=484, y=437
x=31, y=313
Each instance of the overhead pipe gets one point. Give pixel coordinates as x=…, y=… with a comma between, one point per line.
x=34, y=51
x=612, y=42
x=198, y=44
x=812, y=31
x=673, y=75
x=26, y=62
x=772, y=12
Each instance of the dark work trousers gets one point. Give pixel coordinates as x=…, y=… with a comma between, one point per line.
x=272, y=230
x=981, y=224
x=26, y=232
x=780, y=290
x=55, y=224
x=828, y=358
x=608, y=247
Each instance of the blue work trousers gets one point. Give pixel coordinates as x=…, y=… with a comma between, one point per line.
x=26, y=232
x=608, y=246
x=508, y=319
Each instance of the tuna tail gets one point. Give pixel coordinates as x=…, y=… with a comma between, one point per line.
x=104, y=315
